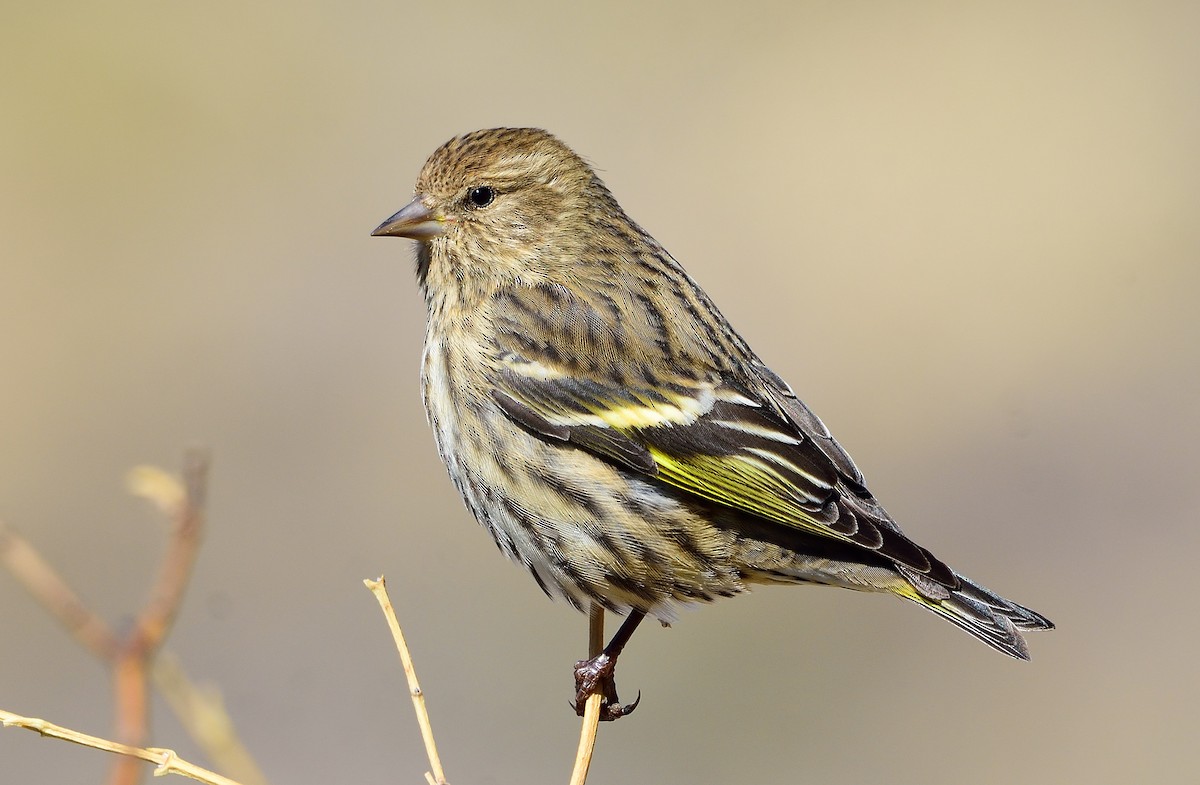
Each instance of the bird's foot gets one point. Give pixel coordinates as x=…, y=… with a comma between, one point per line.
x=596, y=677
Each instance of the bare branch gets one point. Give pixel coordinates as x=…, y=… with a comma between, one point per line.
x=203, y=715
x=201, y=712
x=165, y=761
x=379, y=589
x=184, y=503
x=591, y=709
x=41, y=580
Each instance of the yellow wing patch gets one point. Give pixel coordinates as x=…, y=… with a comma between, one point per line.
x=639, y=414
x=742, y=482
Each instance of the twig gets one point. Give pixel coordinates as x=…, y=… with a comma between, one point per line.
x=591, y=709
x=184, y=504
x=200, y=711
x=21, y=559
x=166, y=761
x=202, y=714
x=379, y=589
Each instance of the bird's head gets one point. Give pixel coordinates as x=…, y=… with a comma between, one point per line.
x=499, y=206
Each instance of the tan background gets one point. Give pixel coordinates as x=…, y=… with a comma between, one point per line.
x=967, y=233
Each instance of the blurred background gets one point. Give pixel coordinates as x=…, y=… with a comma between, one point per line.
x=966, y=233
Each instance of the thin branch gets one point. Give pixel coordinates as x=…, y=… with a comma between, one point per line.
x=379, y=589
x=591, y=709
x=131, y=699
x=202, y=714
x=200, y=711
x=21, y=559
x=165, y=761
x=184, y=504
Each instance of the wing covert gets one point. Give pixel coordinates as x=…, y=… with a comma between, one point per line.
x=739, y=437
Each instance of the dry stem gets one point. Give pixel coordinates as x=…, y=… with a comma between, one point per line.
x=21, y=559
x=185, y=506
x=379, y=589
x=591, y=715
x=591, y=709
x=136, y=655
x=165, y=761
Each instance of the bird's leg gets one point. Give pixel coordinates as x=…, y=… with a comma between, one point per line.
x=597, y=675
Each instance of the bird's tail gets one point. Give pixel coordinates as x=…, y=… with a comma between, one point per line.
x=983, y=613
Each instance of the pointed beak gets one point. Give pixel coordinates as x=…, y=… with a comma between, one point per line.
x=415, y=221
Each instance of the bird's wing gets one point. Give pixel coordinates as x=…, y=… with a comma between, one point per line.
x=750, y=445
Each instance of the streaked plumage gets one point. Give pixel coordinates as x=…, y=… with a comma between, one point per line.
x=608, y=426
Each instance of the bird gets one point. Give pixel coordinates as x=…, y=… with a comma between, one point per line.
x=613, y=432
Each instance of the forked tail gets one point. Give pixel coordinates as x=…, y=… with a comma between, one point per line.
x=986, y=615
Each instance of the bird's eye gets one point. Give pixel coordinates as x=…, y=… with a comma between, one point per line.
x=481, y=196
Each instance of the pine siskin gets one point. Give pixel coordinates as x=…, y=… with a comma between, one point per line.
x=612, y=431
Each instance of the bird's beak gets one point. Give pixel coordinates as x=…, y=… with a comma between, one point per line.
x=415, y=221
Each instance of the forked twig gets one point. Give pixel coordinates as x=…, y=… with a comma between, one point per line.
x=131, y=657
x=183, y=503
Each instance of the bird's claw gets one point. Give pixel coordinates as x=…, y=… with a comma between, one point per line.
x=596, y=677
